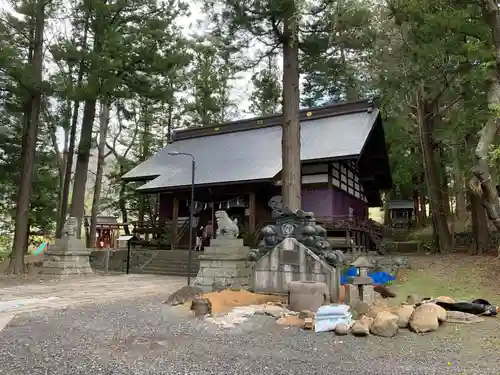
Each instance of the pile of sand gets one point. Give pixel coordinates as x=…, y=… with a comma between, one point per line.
x=227, y=299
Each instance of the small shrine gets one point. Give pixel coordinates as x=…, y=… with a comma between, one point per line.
x=107, y=232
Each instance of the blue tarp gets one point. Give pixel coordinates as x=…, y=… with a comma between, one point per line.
x=379, y=278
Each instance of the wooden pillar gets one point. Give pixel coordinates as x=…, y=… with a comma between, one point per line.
x=175, y=218
x=214, y=222
x=251, y=211
x=330, y=188
x=330, y=176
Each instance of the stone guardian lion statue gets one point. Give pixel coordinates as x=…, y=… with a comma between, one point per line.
x=225, y=226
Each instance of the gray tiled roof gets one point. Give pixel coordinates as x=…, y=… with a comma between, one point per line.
x=399, y=204
x=252, y=154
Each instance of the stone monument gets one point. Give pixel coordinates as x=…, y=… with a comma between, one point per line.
x=69, y=255
x=296, y=248
x=224, y=263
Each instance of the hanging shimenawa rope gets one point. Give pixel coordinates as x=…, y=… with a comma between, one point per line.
x=220, y=205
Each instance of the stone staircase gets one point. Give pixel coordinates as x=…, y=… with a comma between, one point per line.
x=173, y=263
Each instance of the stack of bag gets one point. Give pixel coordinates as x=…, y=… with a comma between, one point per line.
x=329, y=316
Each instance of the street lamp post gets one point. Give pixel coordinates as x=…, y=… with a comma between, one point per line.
x=191, y=211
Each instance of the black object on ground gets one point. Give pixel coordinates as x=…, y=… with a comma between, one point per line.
x=477, y=307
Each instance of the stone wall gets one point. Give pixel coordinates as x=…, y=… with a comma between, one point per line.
x=292, y=261
x=118, y=259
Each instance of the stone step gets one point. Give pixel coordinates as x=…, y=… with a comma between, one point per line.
x=171, y=273
x=174, y=261
x=175, y=267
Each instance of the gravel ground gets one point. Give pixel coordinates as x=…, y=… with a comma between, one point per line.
x=142, y=337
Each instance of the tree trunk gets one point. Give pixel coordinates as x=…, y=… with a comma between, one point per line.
x=121, y=201
x=481, y=170
x=291, y=172
x=387, y=213
x=425, y=127
x=103, y=130
x=458, y=184
x=63, y=157
x=416, y=206
x=30, y=133
x=444, y=181
x=146, y=142
x=423, y=200
x=72, y=142
x=77, y=209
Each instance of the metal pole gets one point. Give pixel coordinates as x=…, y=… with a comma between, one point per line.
x=128, y=256
x=191, y=212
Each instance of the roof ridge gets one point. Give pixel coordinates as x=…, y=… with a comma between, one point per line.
x=329, y=110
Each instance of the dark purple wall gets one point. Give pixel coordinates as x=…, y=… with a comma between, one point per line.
x=342, y=201
x=317, y=200
x=323, y=202
x=320, y=201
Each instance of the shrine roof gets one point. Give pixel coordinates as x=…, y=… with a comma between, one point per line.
x=400, y=205
x=250, y=150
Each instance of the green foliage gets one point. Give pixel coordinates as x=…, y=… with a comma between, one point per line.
x=159, y=79
x=266, y=96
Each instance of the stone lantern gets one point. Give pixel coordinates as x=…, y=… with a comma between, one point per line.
x=363, y=283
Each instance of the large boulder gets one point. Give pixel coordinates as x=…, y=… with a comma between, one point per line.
x=426, y=318
x=385, y=324
x=404, y=313
x=183, y=295
x=377, y=307
x=361, y=327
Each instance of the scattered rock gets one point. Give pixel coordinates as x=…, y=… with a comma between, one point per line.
x=426, y=318
x=273, y=310
x=201, y=307
x=385, y=324
x=361, y=327
x=404, y=313
x=306, y=314
x=341, y=329
x=377, y=307
x=183, y=295
x=462, y=317
x=361, y=307
x=444, y=299
x=413, y=299
x=308, y=323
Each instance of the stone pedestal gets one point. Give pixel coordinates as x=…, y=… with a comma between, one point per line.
x=224, y=263
x=68, y=256
x=364, y=285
